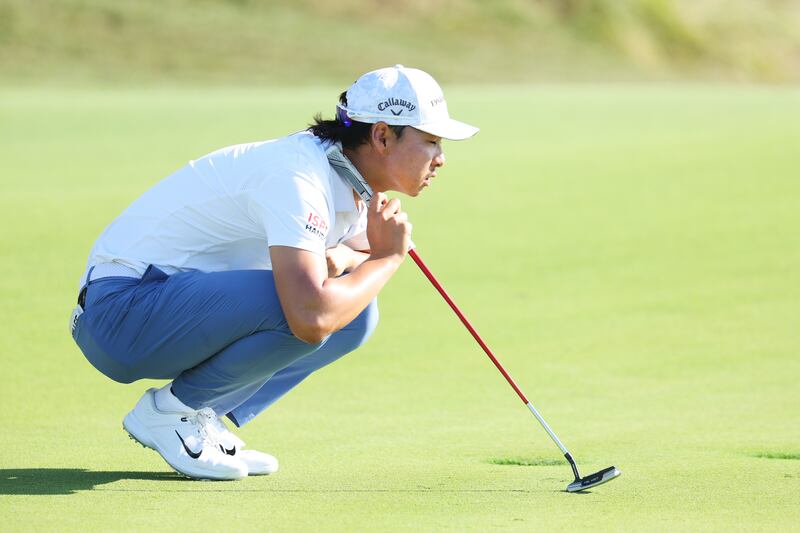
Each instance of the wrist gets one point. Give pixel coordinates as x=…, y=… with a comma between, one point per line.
x=356, y=258
x=388, y=257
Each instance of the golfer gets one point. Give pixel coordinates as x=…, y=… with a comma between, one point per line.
x=250, y=268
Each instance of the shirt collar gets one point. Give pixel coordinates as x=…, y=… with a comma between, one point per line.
x=343, y=199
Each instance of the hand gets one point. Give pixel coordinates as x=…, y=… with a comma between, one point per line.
x=341, y=259
x=388, y=228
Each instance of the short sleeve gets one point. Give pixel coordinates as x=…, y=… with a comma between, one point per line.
x=293, y=209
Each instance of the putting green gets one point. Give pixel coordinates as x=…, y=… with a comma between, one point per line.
x=629, y=252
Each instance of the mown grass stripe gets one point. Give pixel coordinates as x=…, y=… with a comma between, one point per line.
x=777, y=455
x=521, y=461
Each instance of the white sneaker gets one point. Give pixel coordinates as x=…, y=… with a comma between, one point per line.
x=258, y=463
x=188, y=441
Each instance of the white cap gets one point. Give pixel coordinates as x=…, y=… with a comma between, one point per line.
x=401, y=96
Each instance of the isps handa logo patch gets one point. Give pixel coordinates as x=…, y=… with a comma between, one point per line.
x=396, y=105
x=316, y=225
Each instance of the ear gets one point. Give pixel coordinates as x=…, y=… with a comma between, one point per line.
x=380, y=136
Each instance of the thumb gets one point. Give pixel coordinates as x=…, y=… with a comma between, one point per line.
x=377, y=202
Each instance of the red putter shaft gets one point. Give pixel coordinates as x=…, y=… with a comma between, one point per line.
x=454, y=307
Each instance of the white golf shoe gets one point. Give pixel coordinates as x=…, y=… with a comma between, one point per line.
x=258, y=463
x=188, y=441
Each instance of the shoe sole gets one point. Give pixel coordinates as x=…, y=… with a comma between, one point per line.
x=131, y=426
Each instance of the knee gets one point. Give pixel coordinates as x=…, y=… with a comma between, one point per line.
x=361, y=328
x=371, y=317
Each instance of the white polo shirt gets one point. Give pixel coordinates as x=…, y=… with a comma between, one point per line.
x=224, y=210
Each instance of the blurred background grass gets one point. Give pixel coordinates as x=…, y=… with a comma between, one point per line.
x=631, y=261
x=471, y=41
x=626, y=251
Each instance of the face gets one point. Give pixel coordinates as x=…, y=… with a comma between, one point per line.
x=412, y=160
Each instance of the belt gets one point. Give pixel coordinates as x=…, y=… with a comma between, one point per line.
x=105, y=270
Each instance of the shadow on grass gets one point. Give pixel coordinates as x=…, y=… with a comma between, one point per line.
x=525, y=461
x=65, y=481
x=48, y=481
x=777, y=455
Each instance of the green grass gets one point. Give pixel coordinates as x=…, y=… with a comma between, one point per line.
x=629, y=252
x=306, y=41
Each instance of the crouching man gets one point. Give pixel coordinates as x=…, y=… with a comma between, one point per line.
x=250, y=268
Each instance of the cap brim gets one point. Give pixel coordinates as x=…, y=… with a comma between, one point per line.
x=449, y=129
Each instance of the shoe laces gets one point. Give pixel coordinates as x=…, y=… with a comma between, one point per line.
x=205, y=420
x=226, y=436
x=219, y=425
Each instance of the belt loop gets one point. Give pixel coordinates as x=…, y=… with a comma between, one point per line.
x=82, y=293
x=153, y=273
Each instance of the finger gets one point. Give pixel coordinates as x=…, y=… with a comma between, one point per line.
x=391, y=208
x=377, y=202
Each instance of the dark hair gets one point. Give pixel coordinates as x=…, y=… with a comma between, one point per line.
x=350, y=135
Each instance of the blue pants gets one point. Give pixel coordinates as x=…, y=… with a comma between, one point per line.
x=222, y=337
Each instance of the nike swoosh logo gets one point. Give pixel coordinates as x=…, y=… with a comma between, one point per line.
x=193, y=455
x=232, y=451
x=396, y=114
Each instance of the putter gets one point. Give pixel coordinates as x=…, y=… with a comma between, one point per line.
x=581, y=483
x=347, y=171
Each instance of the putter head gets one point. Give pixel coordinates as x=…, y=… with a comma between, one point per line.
x=592, y=480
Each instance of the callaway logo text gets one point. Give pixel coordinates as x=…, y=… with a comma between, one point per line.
x=392, y=102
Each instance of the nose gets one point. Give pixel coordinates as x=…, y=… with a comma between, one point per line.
x=438, y=161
